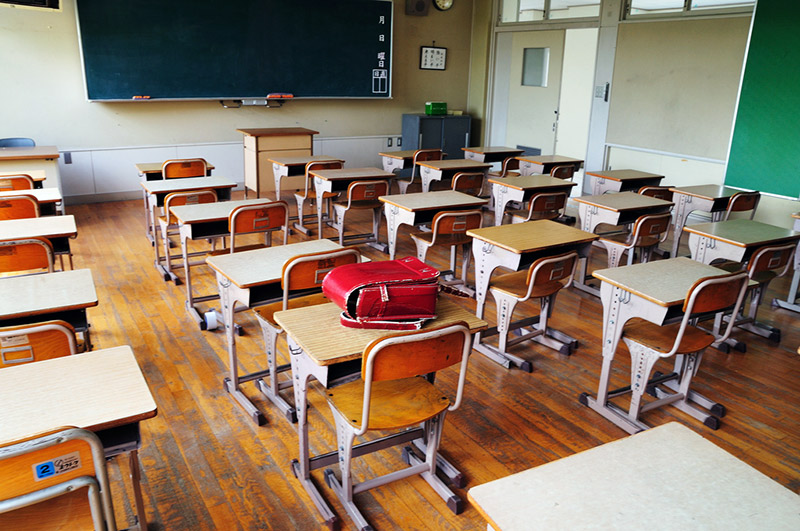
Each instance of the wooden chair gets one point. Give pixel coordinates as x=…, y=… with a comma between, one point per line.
x=181, y=168
x=36, y=342
x=393, y=395
x=169, y=225
x=565, y=172
x=19, y=207
x=742, y=202
x=24, y=257
x=361, y=195
x=545, y=205
x=309, y=192
x=55, y=480
x=649, y=231
x=301, y=282
x=266, y=218
x=542, y=280
x=22, y=181
x=468, y=182
x=658, y=192
x=449, y=229
x=509, y=168
x=648, y=343
x=414, y=183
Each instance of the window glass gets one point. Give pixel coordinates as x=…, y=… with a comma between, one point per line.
x=534, y=67
x=574, y=9
x=655, y=7
x=720, y=4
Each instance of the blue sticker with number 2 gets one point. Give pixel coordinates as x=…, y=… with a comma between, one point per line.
x=44, y=470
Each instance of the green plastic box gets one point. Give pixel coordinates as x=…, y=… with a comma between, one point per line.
x=435, y=107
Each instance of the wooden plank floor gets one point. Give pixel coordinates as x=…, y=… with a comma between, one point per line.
x=207, y=466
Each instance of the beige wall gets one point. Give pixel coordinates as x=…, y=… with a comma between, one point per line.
x=43, y=95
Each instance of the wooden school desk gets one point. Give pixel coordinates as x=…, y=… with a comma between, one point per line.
x=321, y=347
x=50, y=201
x=791, y=302
x=197, y=222
x=414, y=209
x=156, y=191
x=735, y=239
x=339, y=180
x=57, y=229
x=103, y=391
x=516, y=247
x=253, y=278
x=490, y=153
x=668, y=477
x=444, y=170
x=505, y=189
x=711, y=198
x=654, y=291
x=530, y=164
x=397, y=160
x=34, y=158
x=617, y=209
x=285, y=167
x=621, y=180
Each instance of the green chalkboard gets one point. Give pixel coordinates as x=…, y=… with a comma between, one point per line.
x=209, y=49
x=766, y=140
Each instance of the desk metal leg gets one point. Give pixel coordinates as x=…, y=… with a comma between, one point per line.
x=791, y=302
x=135, y=475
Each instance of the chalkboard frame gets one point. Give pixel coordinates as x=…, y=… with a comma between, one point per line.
x=198, y=50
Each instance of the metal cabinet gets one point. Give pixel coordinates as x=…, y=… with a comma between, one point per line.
x=447, y=132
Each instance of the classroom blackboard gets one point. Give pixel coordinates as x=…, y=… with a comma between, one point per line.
x=240, y=49
x=765, y=146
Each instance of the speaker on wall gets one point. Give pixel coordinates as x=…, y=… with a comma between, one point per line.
x=417, y=8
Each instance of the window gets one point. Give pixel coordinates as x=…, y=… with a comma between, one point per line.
x=636, y=8
x=537, y=10
x=534, y=67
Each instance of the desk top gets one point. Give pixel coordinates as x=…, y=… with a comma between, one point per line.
x=29, y=153
x=165, y=186
x=406, y=154
x=706, y=191
x=349, y=174
x=668, y=477
x=532, y=235
x=203, y=212
x=531, y=182
x=47, y=293
x=623, y=201
x=94, y=390
x=277, y=131
x=155, y=167
x=663, y=282
x=43, y=227
x=302, y=161
x=433, y=200
x=263, y=266
x=318, y=331
x=494, y=150
x=43, y=195
x=549, y=159
x=744, y=232
x=624, y=175
x=455, y=164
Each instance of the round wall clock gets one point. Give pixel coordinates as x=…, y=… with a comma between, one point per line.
x=442, y=5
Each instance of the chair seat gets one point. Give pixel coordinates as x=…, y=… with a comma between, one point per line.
x=496, y=174
x=368, y=204
x=442, y=239
x=516, y=285
x=66, y=512
x=729, y=266
x=313, y=195
x=661, y=338
x=623, y=239
x=421, y=401
x=267, y=311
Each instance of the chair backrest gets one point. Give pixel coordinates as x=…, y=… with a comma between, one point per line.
x=366, y=190
x=456, y=222
x=36, y=342
x=468, y=182
x=771, y=260
x=316, y=165
x=23, y=181
x=180, y=168
x=17, y=141
x=42, y=480
x=565, y=172
x=658, y=192
x=194, y=197
x=742, y=202
x=416, y=353
x=422, y=155
x=509, y=164
x=306, y=271
x=19, y=207
x=560, y=268
x=262, y=217
x=547, y=205
x=24, y=256
x=650, y=229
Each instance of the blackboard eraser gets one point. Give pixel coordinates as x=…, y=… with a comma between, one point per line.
x=141, y=98
x=279, y=96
